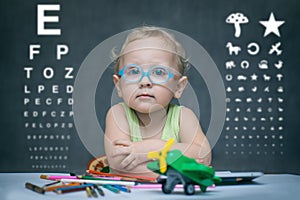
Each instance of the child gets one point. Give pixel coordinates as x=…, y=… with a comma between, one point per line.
x=148, y=74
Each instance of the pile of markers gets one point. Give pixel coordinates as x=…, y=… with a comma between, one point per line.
x=93, y=183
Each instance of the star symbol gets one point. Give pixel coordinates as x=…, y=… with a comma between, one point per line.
x=254, y=77
x=272, y=25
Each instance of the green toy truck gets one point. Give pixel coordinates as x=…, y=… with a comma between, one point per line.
x=175, y=168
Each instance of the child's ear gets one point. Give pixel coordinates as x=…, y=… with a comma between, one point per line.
x=116, y=80
x=180, y=87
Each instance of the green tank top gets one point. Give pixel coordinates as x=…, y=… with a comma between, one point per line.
x=171, y=128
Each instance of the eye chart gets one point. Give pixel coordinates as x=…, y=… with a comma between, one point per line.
x=49, y=130
x=48, y=118
x=255, y=87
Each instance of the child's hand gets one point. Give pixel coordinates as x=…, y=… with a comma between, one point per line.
x=126, y=148
x=199, y=160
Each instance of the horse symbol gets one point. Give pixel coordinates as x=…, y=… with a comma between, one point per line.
x=233, y=49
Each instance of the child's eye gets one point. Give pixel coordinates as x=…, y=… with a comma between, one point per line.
x=133, y=71
x=159, y=72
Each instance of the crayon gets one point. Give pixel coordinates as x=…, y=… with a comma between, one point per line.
x=34, y=188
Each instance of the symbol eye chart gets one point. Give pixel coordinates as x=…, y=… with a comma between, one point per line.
x=255, y=83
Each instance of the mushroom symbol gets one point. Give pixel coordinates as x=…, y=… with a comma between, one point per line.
x=237, y=19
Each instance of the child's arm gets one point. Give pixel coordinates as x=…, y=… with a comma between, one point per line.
x=126, y=156
x=116, y=128
x=193, y=142
x=135, y=155
x=123, y=155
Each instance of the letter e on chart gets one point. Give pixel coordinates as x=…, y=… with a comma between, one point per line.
x=42, y=19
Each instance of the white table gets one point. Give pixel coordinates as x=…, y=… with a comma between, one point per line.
x=280, y=186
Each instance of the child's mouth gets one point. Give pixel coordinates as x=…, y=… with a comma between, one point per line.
x=144, y=96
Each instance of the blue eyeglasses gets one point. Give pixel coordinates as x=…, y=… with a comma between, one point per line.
x=157, y=74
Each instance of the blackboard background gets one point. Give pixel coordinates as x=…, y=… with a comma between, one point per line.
x=85, y=24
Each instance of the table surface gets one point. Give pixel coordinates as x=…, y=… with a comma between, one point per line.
x=270, y=186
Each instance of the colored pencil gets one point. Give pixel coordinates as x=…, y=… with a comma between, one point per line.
x=88, y=192
x=99, y=178
x=102, y=182
x=93, y=192
x=60, y=186
x=72, y=188
x=43, y=176
x=146, y=186
x=34, y=188
x=121, y=188
x=100, y=191
x=50, y=184
x=110, y=188
x=141, y=178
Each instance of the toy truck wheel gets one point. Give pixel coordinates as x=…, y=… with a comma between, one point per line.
x=166, y=189
x=189, y=189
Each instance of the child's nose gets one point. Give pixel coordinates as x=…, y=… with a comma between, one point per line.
x=145, y=82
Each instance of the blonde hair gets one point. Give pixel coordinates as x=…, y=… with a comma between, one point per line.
x=145, y=32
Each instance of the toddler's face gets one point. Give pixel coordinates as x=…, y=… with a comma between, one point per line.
x=143, y=95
